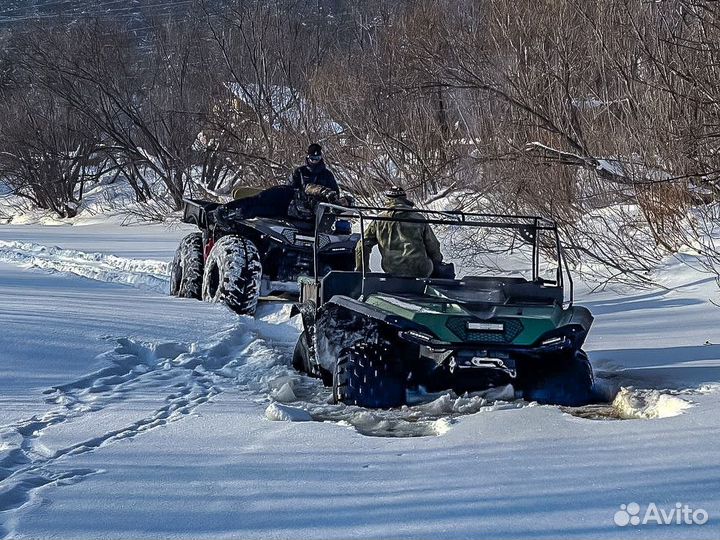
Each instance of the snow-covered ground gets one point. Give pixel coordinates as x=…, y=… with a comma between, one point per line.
x=125, y=413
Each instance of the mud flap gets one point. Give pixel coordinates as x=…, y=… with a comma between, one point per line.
x=567, y=381
x=337, y=328
x=306, y=310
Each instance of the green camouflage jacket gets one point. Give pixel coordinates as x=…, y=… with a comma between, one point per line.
x=407, y=249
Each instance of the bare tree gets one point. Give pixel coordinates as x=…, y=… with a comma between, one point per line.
x=148, y=106
x=260, y=107
x=46, y=150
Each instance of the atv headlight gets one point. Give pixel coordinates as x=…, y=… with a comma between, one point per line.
x=333, y=243
x=553, y=341
x=423, y=338
x=566, y=337
x=323, y=240
x=289, y=235
x=420, y=336
x=285, y=233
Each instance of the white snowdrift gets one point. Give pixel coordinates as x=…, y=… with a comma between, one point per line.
x=643, y=404
x=424, y=417
x=144, y=274
x=285, y=413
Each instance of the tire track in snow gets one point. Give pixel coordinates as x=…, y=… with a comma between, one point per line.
x=26, y=466
x=185, y=375
x=141, y=273
x=268, y=356
x=252, y=356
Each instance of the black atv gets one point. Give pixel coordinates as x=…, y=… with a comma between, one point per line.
x=236, y=261
x=373, y=336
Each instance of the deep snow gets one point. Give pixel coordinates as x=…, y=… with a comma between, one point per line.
x=126, y=413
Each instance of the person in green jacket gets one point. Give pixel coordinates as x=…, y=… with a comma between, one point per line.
x=407, y=249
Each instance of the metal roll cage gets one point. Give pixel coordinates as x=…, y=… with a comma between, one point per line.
x=457, y=218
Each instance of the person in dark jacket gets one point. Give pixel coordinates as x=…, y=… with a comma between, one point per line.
x=311, y=183
x=408, y=249
x=314, y=171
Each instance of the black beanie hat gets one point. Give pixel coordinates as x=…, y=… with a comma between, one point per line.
x=314, y=150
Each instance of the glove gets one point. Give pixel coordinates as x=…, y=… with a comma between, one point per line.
x=321, y=192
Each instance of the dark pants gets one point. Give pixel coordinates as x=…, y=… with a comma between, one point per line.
x=273, y=202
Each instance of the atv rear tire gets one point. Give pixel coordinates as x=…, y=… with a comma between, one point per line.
x=568, y=381
x=186, y=276
x=232, y=274
x=366, y=377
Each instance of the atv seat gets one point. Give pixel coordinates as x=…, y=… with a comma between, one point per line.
x=350, y=284
x=494, y=290
x=491, y=290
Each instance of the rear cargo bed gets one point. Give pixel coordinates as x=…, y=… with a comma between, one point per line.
x=195, y=211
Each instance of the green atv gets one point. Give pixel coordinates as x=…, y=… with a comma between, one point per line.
x=373, y=336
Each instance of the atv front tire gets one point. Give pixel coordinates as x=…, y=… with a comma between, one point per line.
x=186, y=276
x=302, y=360
x=301, y=355
x=365, y=376
x=566, y=381
x=232, y=274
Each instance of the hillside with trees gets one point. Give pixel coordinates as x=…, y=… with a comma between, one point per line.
x=605, y=117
